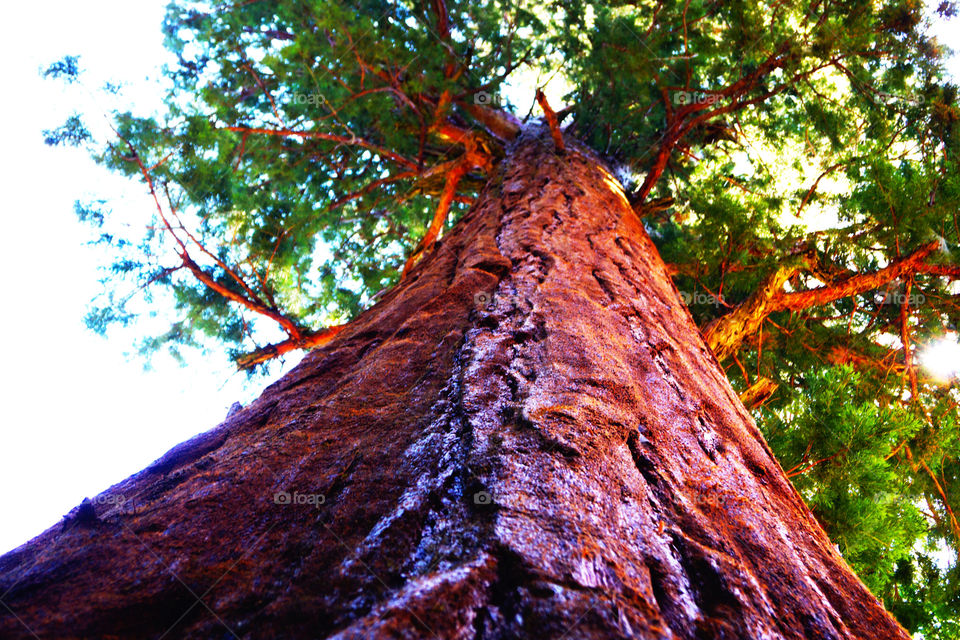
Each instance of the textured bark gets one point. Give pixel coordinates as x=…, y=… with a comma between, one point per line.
x=527, y=438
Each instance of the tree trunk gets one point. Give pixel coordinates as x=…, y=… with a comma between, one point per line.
x=526, y=438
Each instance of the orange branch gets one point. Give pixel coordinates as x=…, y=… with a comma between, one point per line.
x=905, y=340
x=860, y=283
x=500, y=123
x=370, y=187
x=289, y=326
x=307, y=341
x=552, y=121
x=443, y=19
x=230, y=272
x=813, y=189
x=439, y=217
x=256, y=306
x=948, y=270
x=799, y=470
x=725, y=334
x=954, y=526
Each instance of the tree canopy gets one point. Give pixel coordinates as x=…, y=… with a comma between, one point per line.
x=796, y=165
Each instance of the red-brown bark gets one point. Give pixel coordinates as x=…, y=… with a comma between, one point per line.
x=526, y=438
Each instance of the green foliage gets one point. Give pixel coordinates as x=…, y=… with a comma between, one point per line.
x=290, y=216
x=67, y=69
x=71, y=133
x=836, y=442
x=822, y=136
x=834, y=439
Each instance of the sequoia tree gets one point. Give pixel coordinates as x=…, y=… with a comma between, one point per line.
x=515, y=419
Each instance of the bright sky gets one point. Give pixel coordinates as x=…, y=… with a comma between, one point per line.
x=78, y=415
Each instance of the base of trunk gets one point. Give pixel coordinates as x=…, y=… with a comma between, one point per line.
x=527, y=438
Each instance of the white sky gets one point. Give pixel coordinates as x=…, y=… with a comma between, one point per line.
x=78, y=416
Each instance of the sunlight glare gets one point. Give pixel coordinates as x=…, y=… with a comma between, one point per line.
x=942, y=357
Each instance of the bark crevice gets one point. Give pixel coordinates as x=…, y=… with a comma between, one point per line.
x=526, y=438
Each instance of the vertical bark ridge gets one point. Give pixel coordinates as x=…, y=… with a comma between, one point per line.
x=526, y=438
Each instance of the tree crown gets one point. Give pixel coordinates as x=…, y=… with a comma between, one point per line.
x=795, y=164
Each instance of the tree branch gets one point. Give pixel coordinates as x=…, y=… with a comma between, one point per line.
x=860, y=283
x=309, y=340
x=443, y=19
x=758, y=393
x=905, y=341
x=954, y=525
x=350, y=141
x=439, y=217
x=299, y=338
x=501, y=124
x=288, y=325
x=725, y=334
x=552, y=121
